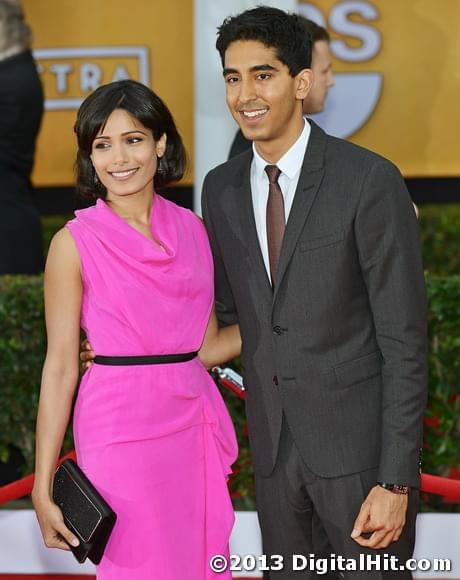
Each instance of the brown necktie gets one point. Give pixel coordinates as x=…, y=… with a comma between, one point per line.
x=276, y=223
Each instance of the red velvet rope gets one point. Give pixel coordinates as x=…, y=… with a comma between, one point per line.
x=449, y=488
x=23, y=486
x=445, y=486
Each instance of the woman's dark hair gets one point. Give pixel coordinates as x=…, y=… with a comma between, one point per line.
x=283, y=31
x=145, y=106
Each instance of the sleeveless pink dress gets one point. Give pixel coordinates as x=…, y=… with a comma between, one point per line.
x=156, y=440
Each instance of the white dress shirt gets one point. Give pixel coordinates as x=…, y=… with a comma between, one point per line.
x=290, y=165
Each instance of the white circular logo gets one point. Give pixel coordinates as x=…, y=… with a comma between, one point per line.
x=354, y=97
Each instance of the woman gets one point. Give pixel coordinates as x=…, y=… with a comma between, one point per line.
x=135, y=271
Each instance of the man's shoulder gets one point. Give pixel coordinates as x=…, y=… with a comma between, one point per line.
x=360, y=157
x=339, y=150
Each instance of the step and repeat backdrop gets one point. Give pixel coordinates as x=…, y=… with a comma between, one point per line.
x=81, y=45
x=396, y=65
x=397, y=79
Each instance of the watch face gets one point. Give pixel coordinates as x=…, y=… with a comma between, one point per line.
x=402, y=489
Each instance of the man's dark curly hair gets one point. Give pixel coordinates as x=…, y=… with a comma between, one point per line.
x=283, y=31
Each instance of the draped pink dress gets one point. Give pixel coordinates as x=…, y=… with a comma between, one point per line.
x=156, y=440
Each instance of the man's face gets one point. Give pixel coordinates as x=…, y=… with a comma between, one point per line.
x=264, y=99
x=323, y=78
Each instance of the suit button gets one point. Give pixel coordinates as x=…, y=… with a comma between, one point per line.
x=275, y=380
x=277, y=330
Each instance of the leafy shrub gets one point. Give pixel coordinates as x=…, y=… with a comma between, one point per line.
x=22, y=350
x=50, y=225
x=440, y=231
x=441, y=454
x=242, y=481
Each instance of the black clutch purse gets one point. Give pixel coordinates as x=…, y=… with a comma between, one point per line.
x=85, y=511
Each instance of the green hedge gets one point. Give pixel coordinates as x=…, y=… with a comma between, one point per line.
x=441, y=454
x=22, y=349
x=439, y=224
x=440, y=230
x=51, y=224
x=22, y=352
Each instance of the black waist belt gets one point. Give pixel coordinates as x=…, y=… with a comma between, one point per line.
x=155, y=359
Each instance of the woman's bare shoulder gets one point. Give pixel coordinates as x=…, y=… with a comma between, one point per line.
x=63, y=249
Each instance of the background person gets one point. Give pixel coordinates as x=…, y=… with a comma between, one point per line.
x=21, y=109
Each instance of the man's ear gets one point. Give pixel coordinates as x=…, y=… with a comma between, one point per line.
x=304, y=80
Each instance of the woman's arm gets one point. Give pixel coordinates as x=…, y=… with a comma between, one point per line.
x=63, y=292
x=220, y=344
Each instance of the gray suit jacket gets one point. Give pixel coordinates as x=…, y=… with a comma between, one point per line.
x=340, y=345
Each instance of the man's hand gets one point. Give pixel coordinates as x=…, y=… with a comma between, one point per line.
x=383, y=515
x=86, y=355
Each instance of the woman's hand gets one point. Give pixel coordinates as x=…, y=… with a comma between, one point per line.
x=54, y=531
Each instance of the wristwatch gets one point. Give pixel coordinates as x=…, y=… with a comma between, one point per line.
x=395, y=488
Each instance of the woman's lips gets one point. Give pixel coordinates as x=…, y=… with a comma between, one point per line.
x=122, y=175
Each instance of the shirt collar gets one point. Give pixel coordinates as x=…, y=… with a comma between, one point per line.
x=291, y=162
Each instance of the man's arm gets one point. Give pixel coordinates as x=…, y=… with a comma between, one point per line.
x=388, y=243
x=225, y=305
x=389, y=249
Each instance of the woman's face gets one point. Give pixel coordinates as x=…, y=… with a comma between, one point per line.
x=125, y=155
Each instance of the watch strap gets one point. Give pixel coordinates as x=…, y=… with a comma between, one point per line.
x=395, y=487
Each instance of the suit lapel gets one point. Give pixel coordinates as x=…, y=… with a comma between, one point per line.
x=309, y=181
x=247, y=220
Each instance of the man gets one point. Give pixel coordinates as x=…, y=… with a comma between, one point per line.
x=317, y=257
x=323, y=80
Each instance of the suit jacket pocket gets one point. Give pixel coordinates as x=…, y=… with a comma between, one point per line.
x=359, y=369
x=321, y=242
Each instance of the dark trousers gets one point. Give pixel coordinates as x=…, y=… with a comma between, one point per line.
x=301, y=513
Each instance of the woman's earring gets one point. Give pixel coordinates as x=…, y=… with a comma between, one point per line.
x=96, y=180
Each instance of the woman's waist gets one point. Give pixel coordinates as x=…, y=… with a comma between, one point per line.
x=122, y=343
x=119, y=340
x=143, y=374
x=145, y=359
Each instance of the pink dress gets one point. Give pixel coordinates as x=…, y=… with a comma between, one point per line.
x=156, y=440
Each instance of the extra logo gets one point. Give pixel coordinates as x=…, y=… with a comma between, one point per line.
x=70, y=74
x=353, y=99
